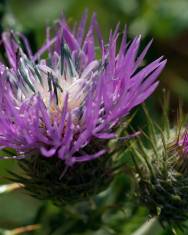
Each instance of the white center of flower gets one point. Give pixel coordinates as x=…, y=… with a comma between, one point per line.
x=53, y=86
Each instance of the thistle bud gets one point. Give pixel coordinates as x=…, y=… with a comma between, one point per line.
x=162, y=174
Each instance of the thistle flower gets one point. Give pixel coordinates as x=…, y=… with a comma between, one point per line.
x=181, y=146
x=59, y=111
x=162, y=173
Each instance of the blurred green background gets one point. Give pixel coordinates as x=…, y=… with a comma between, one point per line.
x=164, y=20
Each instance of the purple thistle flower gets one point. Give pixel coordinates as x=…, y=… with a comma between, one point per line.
x=59, y=105
x=180, y=150
x=183, y=143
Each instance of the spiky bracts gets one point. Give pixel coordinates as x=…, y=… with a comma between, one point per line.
x=162, y=175
x=54, y=109
x=43, y=179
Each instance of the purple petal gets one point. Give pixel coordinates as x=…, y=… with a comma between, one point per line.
x=47, y=153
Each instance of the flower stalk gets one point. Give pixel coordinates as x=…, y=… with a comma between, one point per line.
x=151, y=226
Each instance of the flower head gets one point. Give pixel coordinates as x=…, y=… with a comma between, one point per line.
x=58, y=105
x=66, y=105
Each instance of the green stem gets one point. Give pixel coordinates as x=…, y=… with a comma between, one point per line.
x=149, y=227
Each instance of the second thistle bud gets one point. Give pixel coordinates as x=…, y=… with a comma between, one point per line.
x=163, y=174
